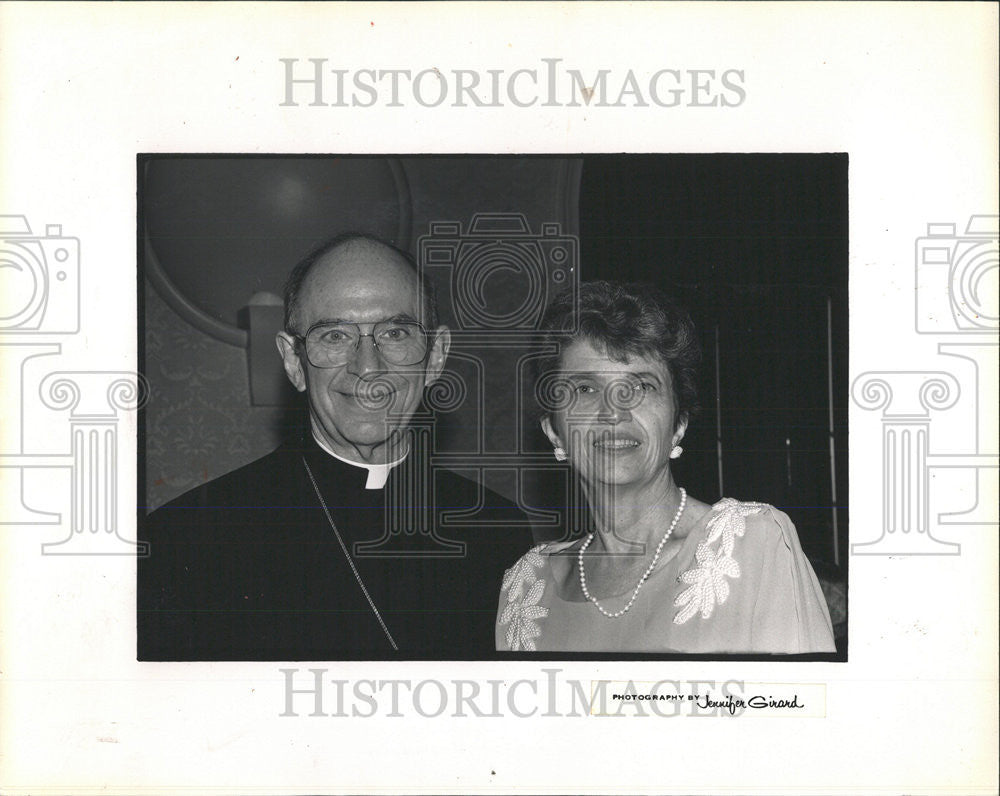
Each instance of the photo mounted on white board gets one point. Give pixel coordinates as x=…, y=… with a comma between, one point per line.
x=409, y=388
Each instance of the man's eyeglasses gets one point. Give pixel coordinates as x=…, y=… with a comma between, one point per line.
x=330, y=345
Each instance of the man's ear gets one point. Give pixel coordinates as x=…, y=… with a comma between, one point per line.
x=289, y=350
x=438, y=355
x=551, y=432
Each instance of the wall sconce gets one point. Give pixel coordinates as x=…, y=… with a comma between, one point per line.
x=264, y=317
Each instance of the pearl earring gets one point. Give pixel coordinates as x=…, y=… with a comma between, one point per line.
x=676, y=452
x=560, y=454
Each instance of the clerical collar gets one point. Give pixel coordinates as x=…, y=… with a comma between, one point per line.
x=378, y=474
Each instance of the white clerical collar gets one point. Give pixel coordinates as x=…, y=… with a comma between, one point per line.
x=378, y=474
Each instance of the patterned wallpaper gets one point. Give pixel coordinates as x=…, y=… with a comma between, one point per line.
x=199, y=422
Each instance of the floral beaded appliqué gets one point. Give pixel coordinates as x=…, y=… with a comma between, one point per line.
x=708, y=586
x=524, y=589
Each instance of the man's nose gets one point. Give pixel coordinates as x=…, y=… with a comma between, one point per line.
x=366, y=358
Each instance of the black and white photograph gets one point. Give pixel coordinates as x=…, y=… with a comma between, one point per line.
x=479, y=397
x=456, y=407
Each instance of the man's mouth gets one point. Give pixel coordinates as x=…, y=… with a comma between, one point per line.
x=376, y=397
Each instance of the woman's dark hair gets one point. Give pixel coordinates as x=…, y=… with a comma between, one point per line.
x=625, y=319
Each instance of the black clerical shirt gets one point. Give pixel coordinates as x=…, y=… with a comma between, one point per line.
x=247, y=567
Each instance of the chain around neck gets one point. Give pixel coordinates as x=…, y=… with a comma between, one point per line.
x=347, y=555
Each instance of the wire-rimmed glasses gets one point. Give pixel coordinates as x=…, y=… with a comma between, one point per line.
x=330, y=344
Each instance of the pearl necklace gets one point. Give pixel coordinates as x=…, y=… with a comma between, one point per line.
x=649, y=569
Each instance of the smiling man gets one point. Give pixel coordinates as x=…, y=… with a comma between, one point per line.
x=362, y=340
x=344, y=542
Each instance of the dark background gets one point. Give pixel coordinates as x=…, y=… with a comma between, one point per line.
x=756, y=246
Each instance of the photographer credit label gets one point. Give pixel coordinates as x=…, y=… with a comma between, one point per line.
x=730, y=699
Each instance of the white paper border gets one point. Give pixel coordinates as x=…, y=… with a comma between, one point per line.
x=908, y=90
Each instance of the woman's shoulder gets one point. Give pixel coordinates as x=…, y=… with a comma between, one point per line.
x=537, y=557
x=790, y=612
x=536, y=564
x=746, y=531
x=745, y=524
x=736, y=540
x=738, y=516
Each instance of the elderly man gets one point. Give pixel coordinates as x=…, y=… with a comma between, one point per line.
x=344, y=543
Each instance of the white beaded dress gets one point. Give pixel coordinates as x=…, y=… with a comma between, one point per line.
x=739, y=584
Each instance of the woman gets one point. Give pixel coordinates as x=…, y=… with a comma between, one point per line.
x=664, y=571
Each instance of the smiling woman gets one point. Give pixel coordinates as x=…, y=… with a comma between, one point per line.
x=622, y=420
x=664, y=571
